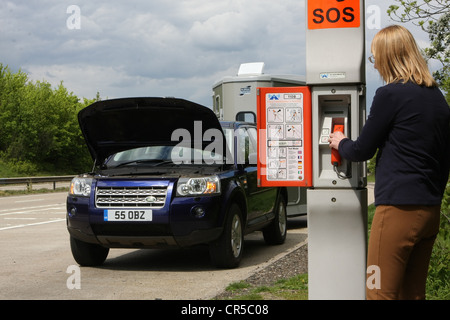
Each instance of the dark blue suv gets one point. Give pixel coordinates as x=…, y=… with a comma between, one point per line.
x=168, y=173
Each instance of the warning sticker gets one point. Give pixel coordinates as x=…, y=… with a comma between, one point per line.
x=284, y=156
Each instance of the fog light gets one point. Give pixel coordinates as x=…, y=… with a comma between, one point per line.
x=198, y=212
x=73, y=212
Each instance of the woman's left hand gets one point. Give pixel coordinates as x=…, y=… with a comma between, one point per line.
x=335, y=138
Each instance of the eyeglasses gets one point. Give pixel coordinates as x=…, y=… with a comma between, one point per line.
x=372, y=59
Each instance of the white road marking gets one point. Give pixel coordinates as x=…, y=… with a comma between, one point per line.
x=32, y=200
x=44, y=213
x=32, y=224
x=44, y=206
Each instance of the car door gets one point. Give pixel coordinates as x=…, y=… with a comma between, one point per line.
x=261, y=200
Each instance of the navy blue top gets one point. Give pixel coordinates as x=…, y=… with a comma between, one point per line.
x=409, y=124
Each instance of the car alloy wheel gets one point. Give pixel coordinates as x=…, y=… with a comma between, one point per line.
x=236, y=235
x=282, y=219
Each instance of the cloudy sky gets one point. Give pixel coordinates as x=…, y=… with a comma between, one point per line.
x=161, y=47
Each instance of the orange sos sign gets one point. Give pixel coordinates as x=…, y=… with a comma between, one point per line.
x=330, y=14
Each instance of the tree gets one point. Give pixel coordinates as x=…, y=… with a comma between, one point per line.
x=434, y=18
x=39, y=128
x=419, y=11
x=439, y=33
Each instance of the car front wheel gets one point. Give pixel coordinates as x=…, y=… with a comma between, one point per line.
x=88, y=254
x=226, y=252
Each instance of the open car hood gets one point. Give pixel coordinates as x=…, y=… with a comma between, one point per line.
x=111, y=126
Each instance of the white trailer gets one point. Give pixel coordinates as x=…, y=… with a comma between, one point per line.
x=235, y=98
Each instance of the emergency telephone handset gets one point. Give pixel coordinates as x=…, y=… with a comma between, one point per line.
x=333, y=120
x=335, y=156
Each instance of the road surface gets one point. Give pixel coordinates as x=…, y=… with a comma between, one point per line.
x=36, y=262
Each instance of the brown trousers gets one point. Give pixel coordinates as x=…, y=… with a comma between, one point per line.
x=400, y=245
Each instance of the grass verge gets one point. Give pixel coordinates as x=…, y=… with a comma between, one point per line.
x=294, y=288
x=5, y=193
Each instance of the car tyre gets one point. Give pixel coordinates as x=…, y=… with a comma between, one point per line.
x=88, y=254
x=275, y=233
x=226, y=252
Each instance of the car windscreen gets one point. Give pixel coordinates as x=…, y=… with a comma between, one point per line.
x=158, y=155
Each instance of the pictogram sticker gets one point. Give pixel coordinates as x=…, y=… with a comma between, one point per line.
x=284, y=141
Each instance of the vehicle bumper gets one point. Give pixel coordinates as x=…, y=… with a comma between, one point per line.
x=173, y=225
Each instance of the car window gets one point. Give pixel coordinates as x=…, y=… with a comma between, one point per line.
x=229, y=135
x=253, y=145
x=246, y=146
x=253, y=134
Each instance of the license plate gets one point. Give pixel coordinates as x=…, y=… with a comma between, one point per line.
x=127, y=215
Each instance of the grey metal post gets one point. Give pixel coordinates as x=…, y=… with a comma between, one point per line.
x=337, y=204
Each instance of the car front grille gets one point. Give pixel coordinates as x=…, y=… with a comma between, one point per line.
x=130, y=197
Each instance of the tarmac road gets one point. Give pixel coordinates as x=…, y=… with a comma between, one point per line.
x=36, y=262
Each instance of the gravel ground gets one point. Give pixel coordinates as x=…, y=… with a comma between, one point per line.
x=292, y=264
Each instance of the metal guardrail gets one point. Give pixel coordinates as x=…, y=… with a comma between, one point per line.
x=30, y=180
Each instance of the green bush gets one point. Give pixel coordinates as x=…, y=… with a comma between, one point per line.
x=22, y=167
x=438, y=281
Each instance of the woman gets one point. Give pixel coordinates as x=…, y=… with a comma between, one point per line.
x=409, y=125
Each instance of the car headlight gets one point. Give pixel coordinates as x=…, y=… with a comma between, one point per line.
x=80, y=187
x=198, y=186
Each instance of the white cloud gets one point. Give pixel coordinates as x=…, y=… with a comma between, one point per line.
x=170, y=47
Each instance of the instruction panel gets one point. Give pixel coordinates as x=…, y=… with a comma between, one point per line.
x=284, y=122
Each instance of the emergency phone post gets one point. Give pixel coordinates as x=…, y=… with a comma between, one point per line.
x=333, y=99
x=337, y=204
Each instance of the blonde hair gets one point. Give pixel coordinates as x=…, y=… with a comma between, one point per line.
x=398, y=58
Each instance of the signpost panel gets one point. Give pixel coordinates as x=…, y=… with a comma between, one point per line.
x=284, y=126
